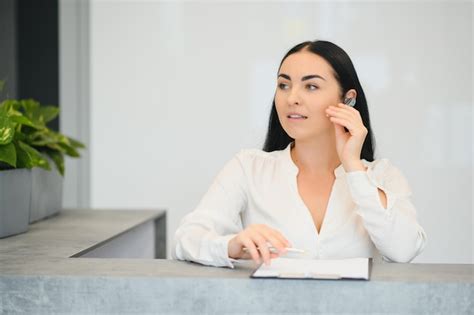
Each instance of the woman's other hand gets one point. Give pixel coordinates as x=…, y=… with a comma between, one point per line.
x=348, y=144
x=255, y=238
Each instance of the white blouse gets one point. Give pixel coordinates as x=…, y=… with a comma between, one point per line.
x=258, y=187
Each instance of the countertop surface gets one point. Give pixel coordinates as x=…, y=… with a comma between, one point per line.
x=47, y=247
x=42, y=258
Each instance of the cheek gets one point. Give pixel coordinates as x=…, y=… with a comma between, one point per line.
x=279, y=103
x=319, y=103
x=317, y=108
x=278, y=99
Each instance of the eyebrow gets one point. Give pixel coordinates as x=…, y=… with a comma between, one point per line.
x=306, y=77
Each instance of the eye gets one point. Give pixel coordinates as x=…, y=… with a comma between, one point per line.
x=312, y=87
x=282, y=86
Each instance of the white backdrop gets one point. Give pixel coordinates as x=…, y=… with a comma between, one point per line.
x=177, y=88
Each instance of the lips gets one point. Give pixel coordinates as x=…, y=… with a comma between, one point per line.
x=296, y=116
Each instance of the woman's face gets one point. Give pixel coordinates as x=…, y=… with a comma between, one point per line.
x=306, y=86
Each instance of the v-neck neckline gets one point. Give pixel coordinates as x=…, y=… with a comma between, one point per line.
x=294, y=170
x=338, y=171
x=307, y=211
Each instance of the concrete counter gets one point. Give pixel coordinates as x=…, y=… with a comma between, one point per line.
x=53, y=269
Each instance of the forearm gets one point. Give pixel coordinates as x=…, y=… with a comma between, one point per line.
x=388, y=215
x=202, y=246
x=395, y=232
x=354, y=166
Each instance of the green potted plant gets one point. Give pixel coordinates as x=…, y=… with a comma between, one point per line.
x=16, y=160
x=28, y=143
x=46, y=184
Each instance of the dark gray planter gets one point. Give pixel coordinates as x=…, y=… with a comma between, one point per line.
x=46, y=193
x=15, y=197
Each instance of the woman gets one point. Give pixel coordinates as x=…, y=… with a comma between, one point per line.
x=315, y=186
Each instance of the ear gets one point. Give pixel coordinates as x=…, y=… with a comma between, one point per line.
x=352, y=93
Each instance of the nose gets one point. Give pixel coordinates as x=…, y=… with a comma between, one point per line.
x=294, y=97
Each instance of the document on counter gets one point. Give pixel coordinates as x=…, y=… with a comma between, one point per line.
x=350, y=268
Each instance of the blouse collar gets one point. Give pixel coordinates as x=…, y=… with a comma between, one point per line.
x=338, y=171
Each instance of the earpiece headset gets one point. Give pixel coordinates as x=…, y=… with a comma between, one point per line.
x=350, y=101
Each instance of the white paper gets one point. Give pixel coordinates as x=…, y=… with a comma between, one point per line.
x=315, y=268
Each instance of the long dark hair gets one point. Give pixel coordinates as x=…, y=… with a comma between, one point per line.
x=278, y=139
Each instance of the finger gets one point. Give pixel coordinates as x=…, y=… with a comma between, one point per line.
x=283, y=239
x=350, y=109
x=341, y=121
x=267, y=231
x=279, y=237
x=345, y=106
x=340, y=131
x=273, y=255
x=251, y=249
x=338, y=112
x=246, y=255
x=276, y=242
x=342, y=113
x=262, y=248
x=355, y=126
x=278, y=245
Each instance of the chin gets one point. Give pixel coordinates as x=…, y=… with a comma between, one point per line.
x=302, y=134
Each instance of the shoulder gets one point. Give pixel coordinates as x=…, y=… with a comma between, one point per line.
x=253, y=161
x=246, y=160
x=257, y=157
x=384, y=173
x=247, y=163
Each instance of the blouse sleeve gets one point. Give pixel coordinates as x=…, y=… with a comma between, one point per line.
x=203, y=234
x=394, y=230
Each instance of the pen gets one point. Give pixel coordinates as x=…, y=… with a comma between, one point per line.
x=288, y=249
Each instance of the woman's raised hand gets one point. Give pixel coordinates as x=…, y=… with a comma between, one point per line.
x=255, y=238
x=348, y=145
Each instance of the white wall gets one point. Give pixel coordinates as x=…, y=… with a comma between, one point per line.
x=74, y=96
x=178, y=88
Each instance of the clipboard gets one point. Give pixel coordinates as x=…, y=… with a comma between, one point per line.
x=324, y=269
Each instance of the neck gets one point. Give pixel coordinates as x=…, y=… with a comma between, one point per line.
x=316, y=156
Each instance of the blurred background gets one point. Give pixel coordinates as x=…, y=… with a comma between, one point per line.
x=165, y=93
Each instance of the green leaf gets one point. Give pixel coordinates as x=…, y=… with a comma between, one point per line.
x=6, y=135
x=41, y=138
x=12, y=107
x=69, y=150
x=32, y=139
x=33, y=112
x=19, y=137
x=29, y=106
x=29, y=157
x=7, y=129
x=58, y=160
x=61, y=138
x=8, y=154
x=48, y=112
x=76, y=143
x=22, y=120
x=10, y=104
x=56, y=147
